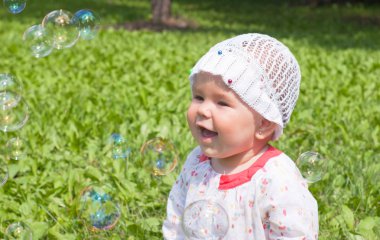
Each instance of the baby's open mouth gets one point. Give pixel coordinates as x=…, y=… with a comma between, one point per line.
x=207, y=133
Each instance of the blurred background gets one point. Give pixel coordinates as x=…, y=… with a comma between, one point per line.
x=131, y=79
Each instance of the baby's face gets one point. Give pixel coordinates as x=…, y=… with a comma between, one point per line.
x=219, y=121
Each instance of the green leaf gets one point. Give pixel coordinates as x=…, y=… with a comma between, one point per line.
x=366, y=224
x=58, y=233
x=93, y=173
x=348, y=217
x=366, y=227
x=39, y=229
x=356, y=237
x=153, y=221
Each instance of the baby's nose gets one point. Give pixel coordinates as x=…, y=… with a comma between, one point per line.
x=204, y=110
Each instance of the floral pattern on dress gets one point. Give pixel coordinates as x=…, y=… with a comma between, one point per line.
x=273, y=204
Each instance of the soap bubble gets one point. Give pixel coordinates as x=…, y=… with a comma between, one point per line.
x=14, y=118
x=18, y=230
x=87, y=23
x=159, y=156
x=312, y=166
x=119, y=146
x=38, y=40
x=205, y=219
x=16, y=148
x=15, y=6
x=3, y=171
x=97, y=208
x=8, y=100
x=64, y=32
x=10, y=91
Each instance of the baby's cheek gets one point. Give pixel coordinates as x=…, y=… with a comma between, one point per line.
x=190, y=114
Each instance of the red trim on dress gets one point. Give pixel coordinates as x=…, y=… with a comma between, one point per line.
x=203, y=158
x=234, y=180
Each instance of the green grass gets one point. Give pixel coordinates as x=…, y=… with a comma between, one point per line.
x=135, y=84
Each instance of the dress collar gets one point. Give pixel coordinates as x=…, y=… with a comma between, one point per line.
x=237, y=179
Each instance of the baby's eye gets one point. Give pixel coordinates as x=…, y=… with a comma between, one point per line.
x=197, y=97
x=223, y=103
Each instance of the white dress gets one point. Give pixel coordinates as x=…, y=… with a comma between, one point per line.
x=269, y=200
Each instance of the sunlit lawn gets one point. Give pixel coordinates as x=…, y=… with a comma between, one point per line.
x=135, y=84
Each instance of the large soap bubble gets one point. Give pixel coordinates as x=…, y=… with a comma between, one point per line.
x=10, y=91
x=38, y=40
x=159, y=156
x=97, y=208
x=60, y=24
x=14, y=118
x=312, y=166
x=18, y=230
x=15, y=6
x=205, y=219
x=87, y=23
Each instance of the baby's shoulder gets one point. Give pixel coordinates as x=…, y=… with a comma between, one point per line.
x=281, y=181
x=280, y=162
x=281, y=168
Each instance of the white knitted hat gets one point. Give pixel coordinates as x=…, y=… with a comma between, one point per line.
x=260, y=70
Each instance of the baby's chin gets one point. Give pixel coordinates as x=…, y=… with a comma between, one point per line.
x=208, y=151
x=212, y=153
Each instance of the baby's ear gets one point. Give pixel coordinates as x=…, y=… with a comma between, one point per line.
x=265, y=129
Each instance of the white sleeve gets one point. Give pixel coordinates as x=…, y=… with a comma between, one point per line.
x=172, y=229
x=290, y=211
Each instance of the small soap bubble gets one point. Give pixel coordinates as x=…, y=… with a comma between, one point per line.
x=60, y=24
x=159, y=156
x=10, y=90
x=87, y=23
x=16, y=148
x=119, y=146
x=205, y=219
x=3, y=171
x=15, y=6
x=19, y=230
x=97, y=208
x=14, y=118
x=38, y=40
x=312, y=166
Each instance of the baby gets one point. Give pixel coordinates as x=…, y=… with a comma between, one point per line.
x=244, y=90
